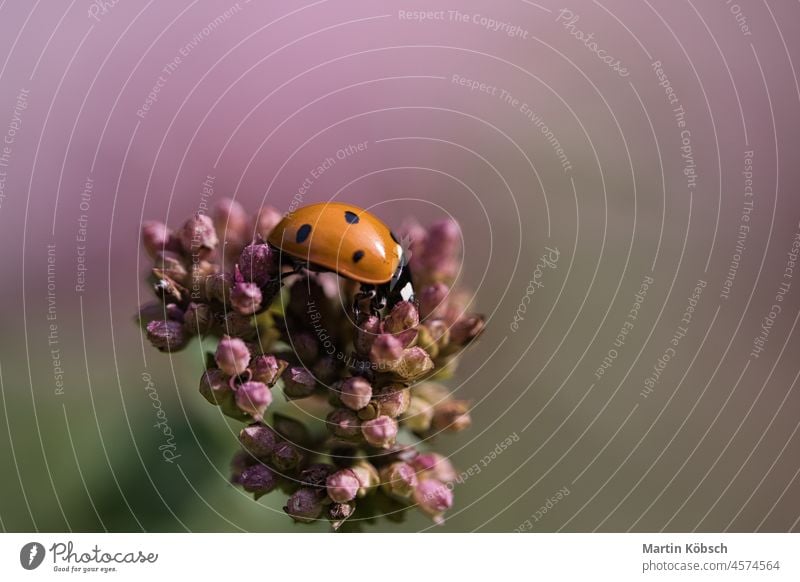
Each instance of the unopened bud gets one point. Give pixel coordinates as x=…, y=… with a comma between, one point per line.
x=451, y=415
x=253, y=398
x=355, y=393
x=214, y=386
x=286, y=456
x=259, y=440
x=343, y=486
x=258, y=480
x=304, y=505
x=155, y=237
x=414, y=364
x=232, y=356
x=267, y=369
x=246, y=298
x=344, y=423
x=380, y=432
x=198, y=236
x=399, y=480
x=434, y=465
x=434, y=498
x=258, y=263
x=166, y=336
x=404, y=316
x=419, y=415
x=298, y=382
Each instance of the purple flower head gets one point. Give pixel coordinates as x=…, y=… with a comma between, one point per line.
x=166, y=336
x=343, y=486
x=253, y=398
x=355, y=392
x=434, y=498
x=305, y=505
x=380, y=432
x=232, y=356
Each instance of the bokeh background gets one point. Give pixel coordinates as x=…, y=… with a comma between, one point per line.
x=550, y=147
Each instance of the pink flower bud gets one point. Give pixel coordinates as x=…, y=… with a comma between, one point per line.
x=266, y=368
x=380, y=432
x=434, y=465
x=246, y=298
x=355, y=393
x=268, y=218
x=343, y=486
x=466, y=329
x=399, y=480
x=232, y=356
x=253, y=398
x=414, y=364
x=366, y=332
x=434, y=498
x=198, y=236
x=386, y=351
x=451, y=415
x=155, y=237
x=404, y=316
x=433, y=300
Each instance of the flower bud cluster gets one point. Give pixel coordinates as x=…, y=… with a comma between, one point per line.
x=360, y=385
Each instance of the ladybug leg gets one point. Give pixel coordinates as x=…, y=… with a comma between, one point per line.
x=367, y=293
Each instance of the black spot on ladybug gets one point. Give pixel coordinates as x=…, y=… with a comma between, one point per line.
x=303, y=232
x=351, y=217
x=394, y=237
x=357, y=256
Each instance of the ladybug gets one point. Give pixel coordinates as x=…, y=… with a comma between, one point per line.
x=350, y=241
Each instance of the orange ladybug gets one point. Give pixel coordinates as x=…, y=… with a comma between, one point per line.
x=346, y=239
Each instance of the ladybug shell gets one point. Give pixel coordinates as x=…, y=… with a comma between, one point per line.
x=339, y=237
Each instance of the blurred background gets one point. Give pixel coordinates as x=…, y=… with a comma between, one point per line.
x=646, y=376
